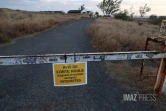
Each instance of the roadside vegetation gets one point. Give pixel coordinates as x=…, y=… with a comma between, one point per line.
x=18, y=23
x=156, y=20
x=117, y=35
x=126, y=33
x=127, y=75
x=112, y=35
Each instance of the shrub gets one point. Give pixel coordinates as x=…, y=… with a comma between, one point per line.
x=123, y=16
x=153, y=19
x=161, y=18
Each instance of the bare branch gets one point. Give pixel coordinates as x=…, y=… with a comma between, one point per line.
x=144, y=10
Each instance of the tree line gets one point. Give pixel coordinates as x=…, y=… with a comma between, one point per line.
x=110, y=7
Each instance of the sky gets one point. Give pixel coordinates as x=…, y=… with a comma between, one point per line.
x=158, y=7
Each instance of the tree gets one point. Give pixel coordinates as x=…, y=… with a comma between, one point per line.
x=144, y=10
x=123, y=15
x=82, y=7
x=131, y=11
x=109, y=6
x=153, y=19
x=153, y=16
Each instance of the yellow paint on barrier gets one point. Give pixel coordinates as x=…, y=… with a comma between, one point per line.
x=70, y=74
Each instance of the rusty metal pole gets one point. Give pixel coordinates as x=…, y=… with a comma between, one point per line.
x=143, y=61
x=163, y=74
x=160, y=77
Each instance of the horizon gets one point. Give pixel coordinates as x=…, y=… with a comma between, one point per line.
x=157, y=7
x=135, y=16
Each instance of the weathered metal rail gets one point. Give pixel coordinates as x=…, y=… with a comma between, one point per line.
x=160, y=82
x=79, y=57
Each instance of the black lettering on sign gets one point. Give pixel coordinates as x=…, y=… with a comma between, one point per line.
x=77, y=70
x=75, y=66
x=67, y=67
x=79, y=74
x=68, y=81
x=62, y=71
x=70, y=78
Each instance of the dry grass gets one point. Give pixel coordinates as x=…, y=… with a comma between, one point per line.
x=127, y=75
x=117, y=35
x=17, y=23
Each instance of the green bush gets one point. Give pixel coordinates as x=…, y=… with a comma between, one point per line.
x=122, y=16
x=153, y=19
x=162, y=18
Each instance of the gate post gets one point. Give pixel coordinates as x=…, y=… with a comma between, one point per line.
x=143, y=61
x=159, y=75
x=160, y=82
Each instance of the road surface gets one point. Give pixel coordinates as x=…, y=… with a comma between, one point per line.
x=30, y=87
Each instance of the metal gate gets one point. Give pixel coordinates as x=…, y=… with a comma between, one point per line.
x=160, y=82
x=85, y=57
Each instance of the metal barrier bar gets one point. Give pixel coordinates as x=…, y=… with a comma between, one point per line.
x=79, y=57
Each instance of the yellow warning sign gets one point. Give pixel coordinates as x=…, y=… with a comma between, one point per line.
x=70, y=74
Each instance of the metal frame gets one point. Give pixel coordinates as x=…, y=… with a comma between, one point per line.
x=161, y=41
x=160, y=81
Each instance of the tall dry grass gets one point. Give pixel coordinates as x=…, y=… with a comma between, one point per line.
x=17, y=23
x=117, y=35
x=127, y=76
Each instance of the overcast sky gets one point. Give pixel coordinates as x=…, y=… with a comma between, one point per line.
x=158, y=7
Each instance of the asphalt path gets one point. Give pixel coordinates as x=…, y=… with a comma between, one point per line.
x=30, y=87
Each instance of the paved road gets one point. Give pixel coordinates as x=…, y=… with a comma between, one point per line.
x=30, y=88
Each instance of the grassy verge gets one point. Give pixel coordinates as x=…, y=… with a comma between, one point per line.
x=127, y=76
x=17, y=23
x=116, y=35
